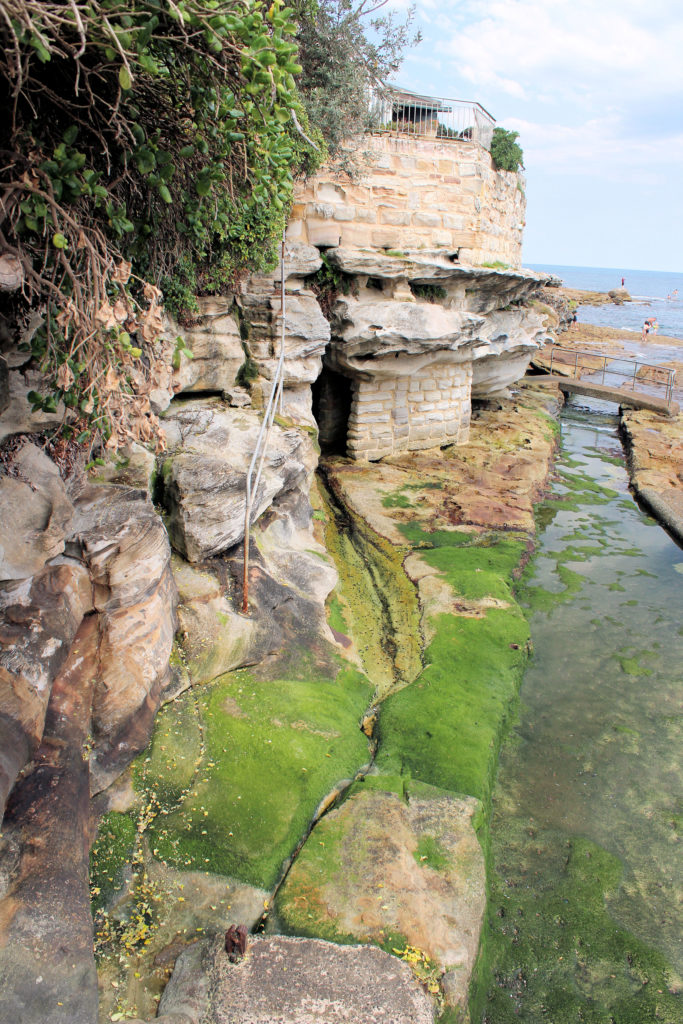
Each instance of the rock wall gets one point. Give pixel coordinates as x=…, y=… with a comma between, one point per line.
x=417, y=193
x=429, y=408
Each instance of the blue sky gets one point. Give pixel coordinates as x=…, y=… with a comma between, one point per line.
x=595, y=90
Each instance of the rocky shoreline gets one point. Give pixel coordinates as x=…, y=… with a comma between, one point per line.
x=653, y=442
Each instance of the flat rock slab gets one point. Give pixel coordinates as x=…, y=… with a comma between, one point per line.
x=381, y=866
x=288, y=980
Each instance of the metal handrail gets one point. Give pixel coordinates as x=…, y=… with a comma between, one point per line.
x=398, y=111
x=263, y=436
x=663, y=376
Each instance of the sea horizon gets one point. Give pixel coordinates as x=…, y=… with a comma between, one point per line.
x=654, y=293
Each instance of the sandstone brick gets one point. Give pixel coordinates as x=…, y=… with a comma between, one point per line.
x=343, y=212
x=386, y=238
x=391, y=215
x=426, y=219
x=322, y=233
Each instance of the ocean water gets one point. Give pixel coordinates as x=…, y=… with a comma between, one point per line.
x=648, y=289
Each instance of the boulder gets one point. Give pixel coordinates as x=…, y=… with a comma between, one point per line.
x=34, y=514
x=122, y=542
x=18, y=417
x=11, y=273
x=294, y=981
x=307, y=332
x=216, y=346
x=131, y=466
x=381, y=866
x=4, y=385
x=290, y=580
x=204, y=476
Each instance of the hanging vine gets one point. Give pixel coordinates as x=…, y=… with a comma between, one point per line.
x=148, y=156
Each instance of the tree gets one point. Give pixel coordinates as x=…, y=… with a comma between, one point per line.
x=346, y=52
x=150, y=148
x=506, y=154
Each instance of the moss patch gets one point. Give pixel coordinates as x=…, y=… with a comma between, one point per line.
x=110, y=854
x=446, y=728
x=271, y=750
x=383, y=611
x=430, y=853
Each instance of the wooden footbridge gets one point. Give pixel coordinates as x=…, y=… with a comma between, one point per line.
x=611, y=378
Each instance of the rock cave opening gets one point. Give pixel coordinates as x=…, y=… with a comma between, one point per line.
x=331, y=408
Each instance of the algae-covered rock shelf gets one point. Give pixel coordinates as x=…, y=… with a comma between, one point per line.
x=340, y=789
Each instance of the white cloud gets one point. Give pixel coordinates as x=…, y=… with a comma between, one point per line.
x=567, y=49
x=597, y=148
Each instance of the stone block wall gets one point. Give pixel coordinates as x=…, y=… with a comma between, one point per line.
x=429, y=408
x=417, y=193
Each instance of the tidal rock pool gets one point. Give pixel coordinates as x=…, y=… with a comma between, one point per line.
x=586, y=881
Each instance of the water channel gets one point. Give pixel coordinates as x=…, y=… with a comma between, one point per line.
x=585, y=918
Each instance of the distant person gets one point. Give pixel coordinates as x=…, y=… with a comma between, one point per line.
x=645, y=331
x=574, y=321
x=623, y=281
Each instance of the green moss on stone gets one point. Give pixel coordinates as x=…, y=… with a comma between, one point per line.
x=271, y=751
x=431, y=854
x=110, y=854
x=446, y=728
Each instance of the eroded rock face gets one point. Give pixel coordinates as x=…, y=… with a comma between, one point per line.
x=47, y=966
x=40, y=618
x=216, y=346
x=290, y=580
x=655, y=463
x=124, y=545
x=419, y=335
x=324, y=982
x=210, y=449
x=34, y=514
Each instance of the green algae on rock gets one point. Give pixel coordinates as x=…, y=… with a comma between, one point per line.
x=272, y=751
x=446, y=728
x=584, y=966
x=380, y=601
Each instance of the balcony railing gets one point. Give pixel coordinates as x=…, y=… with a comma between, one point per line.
x=401, y=112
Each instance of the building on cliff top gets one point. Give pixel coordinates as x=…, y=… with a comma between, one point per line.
x=426, y=246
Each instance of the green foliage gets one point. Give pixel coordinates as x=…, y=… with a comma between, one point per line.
x=506, y=154
x=430, y=292
x=344, y=52
x=328, y=283
x=178, y=167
